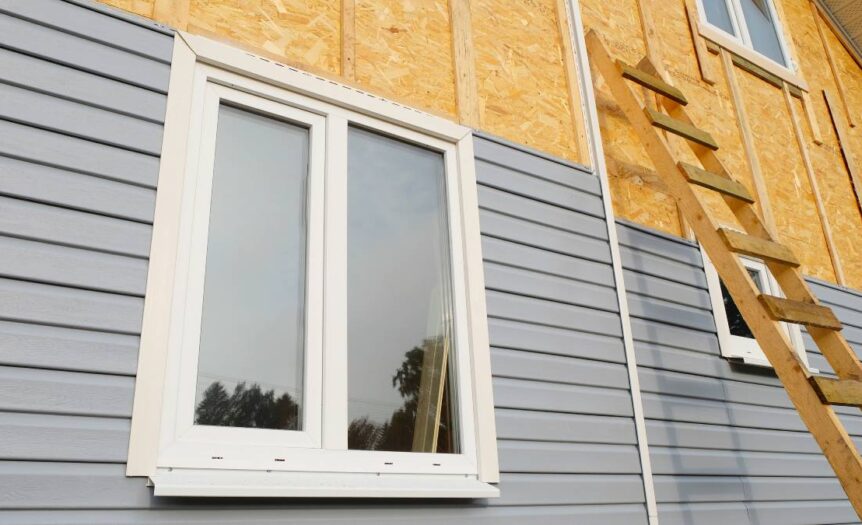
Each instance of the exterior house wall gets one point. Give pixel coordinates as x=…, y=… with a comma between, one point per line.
x=725, y=443
x=82, y=97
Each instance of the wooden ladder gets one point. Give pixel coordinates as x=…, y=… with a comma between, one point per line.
x=812, y=396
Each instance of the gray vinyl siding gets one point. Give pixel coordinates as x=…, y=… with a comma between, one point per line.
x=82, y=102
x=726, y=445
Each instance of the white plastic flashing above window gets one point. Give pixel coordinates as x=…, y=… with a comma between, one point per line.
x=735, y=347
x=184, y=457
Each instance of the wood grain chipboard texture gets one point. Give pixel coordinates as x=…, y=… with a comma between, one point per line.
x=787, y=185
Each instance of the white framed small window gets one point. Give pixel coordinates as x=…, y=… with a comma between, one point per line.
x=734, y=336
x=315, y=321
x=750, y=28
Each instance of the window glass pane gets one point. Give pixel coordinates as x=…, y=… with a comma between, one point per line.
x=399, y=300
x=761, y=27
x=717, y=15
x=250, y=368
x=735, y=322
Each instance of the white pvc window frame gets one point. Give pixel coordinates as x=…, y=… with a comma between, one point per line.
x=184, y=459
x=740, y=43
x=746, y=349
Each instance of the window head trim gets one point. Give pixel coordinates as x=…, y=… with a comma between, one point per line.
x=739, y=348
x=233, y=73
x=737, y=44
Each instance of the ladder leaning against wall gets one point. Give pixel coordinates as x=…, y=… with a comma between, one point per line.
x=813, y=396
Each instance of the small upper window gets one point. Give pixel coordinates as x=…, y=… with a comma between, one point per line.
x=734, y=336
x=752, y=23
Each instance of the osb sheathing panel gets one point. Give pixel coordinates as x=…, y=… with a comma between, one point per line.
x=521, y=75
x=784, y=175
x=618, y=23
x=404, y=51
x=139, y=7
x=302, y=31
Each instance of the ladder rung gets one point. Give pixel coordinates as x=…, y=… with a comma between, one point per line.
x=651, y=82
x=715, y=182
x=683, y=129
x=838, y=391
x=757, y=247
x=799, y=312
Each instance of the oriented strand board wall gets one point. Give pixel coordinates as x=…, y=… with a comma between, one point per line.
x=404, y=50
x=787, y=185
x=521, y=74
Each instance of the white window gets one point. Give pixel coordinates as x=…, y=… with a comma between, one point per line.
x=315, y=320
x=734, y=336
x=751, y=29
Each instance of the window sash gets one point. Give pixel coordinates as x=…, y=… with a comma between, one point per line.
x=322, y=444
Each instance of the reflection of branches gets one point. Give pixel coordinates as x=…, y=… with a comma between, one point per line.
x=247, y=407
x=397, y=433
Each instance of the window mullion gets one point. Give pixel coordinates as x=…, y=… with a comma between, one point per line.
x=335, y=286
x=741, y=25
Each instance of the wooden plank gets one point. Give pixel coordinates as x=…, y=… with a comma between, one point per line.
x=651, y=82
x=714, y=182
x=572, y=81
x=682, y=129
x=748, y=143
x=799, y=312
x=174, y=13
x=821, y=420
x=432, y=387
x=833, y=66
x=700, y=51
x=757, y=247
x=815, y=186
x=466, y=84
x=811, y=116
x=348, y=39
x=843, y=142
x=838, y=391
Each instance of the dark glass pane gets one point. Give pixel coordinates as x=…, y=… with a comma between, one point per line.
x=735, y=322
x=761, y=28
x=717, y=15
x=399, y=299
x=250, y=368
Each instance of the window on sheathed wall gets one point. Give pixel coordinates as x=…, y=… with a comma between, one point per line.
x=753, y=23
x=327, y=331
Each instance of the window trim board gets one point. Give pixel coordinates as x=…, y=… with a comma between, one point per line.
x=154, y=366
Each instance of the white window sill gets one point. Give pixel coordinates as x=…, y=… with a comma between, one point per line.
x=731, y=44
x=261, y=484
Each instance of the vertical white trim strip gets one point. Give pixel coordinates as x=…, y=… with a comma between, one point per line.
x=155, y=330
x=591, y=113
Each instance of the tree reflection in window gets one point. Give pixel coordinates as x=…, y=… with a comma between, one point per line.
x=735, y=322
x=399, y=433
x=248, y=407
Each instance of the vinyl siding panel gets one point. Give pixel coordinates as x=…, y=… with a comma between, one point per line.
x=82, y=101
x=726, y=445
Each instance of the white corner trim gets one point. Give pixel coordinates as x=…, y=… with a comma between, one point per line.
x=591, y=113
x=155, y=330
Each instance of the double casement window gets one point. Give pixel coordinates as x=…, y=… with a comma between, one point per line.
x=315, y=320
x=750, y=28
x=734, y=336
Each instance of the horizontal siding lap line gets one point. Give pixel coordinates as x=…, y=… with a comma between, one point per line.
x=82, y=209
x=587, y=236
x=532, y=270
x=42, y=17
